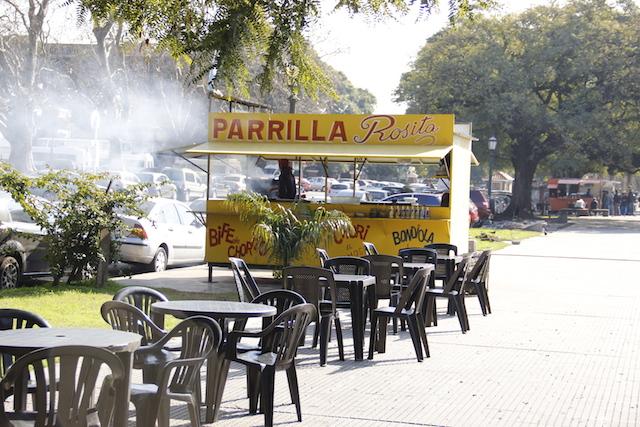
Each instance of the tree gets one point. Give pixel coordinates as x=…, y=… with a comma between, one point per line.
x=21, y=40
x=532, y=80
x=73, y=215
x=227, y=35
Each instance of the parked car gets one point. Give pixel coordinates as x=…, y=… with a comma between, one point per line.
x=375, y=194
x=168, y=234
x=346, y=196
x=481, y=202
x=235, y=182
x=335, y=188
x=22, y=251
x=423, y=199
x=393, y=189
x=188, y=183
x=119, y=180
x=159, y=185
x=473, y=213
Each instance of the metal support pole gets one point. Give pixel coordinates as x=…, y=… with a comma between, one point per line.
x=492, y=154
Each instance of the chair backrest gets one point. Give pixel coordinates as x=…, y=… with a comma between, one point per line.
x=422, y=255
x=323, y=255
x=476, y=265
x=283, y=335
x=443, y=248
x=140, y=297
x=13, y=318
x=314, y=284
x=348, y=265
x=370, y=248
x=245, y=283
x=484, y=274
x=199, y=336
x=76, y=369
x=458, y=276
x=281, y=299
x=125, y=317
x=413, y=294
x=388, y=271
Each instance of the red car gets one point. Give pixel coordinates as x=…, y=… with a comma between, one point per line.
x=473, y=213
x=482, y=203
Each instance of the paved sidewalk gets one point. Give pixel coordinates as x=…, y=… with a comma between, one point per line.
x=561, y=348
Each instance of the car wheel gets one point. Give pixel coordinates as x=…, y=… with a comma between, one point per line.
x=160, y=260
x=9, y=273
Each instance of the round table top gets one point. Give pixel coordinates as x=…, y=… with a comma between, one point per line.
x=29, y=339
x=210, y=308
x=418, y=265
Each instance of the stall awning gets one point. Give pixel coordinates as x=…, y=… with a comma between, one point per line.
x=327, y=152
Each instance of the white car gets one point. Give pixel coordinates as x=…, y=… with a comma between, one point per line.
x=317, y=183
x=159, y=185
x=347, y=197
x=340, y=186
x=235, y=182
x=169, y=234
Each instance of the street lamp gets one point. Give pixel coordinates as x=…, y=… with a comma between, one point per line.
x=292, y=81
x=493, y=142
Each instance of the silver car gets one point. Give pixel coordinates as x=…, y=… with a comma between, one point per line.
x=159, y=185
x=169, y=234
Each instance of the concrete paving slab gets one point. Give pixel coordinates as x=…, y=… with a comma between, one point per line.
x=561, y=348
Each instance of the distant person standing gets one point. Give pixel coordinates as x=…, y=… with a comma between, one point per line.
x=616, y=203
x=286, y=182
x=631, y=203
x=624, y=203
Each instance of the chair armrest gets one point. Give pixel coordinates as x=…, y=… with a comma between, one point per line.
x=168, y=368
x=234, y=336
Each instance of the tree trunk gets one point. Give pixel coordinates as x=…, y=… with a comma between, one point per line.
x=105, y=247
x=520, y=206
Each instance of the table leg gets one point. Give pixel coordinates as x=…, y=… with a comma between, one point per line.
x=217, y=370
x=121, y=416
x=357, y=312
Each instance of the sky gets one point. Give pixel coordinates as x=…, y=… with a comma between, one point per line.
x=373, y=55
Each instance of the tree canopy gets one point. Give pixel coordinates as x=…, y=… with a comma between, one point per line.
x=549, y=80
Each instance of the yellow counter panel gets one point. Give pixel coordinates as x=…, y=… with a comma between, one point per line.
x=228, y=237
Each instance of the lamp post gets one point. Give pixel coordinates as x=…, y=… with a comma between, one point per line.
x=493, y=142
x=292, y=81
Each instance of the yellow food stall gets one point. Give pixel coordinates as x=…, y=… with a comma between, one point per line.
x=374, y=138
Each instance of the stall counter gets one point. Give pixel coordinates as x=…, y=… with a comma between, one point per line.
x=228, y=236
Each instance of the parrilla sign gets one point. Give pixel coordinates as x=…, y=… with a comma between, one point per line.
x=423, y=129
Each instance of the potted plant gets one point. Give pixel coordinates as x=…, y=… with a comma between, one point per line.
x=285, y=233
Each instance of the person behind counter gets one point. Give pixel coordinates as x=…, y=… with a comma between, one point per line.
x=286, y=182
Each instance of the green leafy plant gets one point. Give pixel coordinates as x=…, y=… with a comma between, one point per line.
x=286, y=233
x=76, y=215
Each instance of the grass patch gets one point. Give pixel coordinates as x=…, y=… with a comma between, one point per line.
x=79, y=306
x=489, y=238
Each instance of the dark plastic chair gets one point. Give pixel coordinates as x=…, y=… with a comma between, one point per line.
x=71, y=405
x=317, y=286
x=13, y=318
x=281, y=299
x=370, y=248
x=410, y=309
x=389, y=274
x=454, y=292
x=444, y=269
x=279, y=347
x=478, y=278
x=323, y=255
x=421, y=255
x=347, y=265
x=179, y=378
x=143, y=298
x=443, y=248
x=245, y=283
x=125, y=317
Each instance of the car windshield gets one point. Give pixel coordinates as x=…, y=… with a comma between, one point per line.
x=146, y=177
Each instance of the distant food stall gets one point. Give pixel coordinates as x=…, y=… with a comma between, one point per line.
x=356, y=139
x=564, y=192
